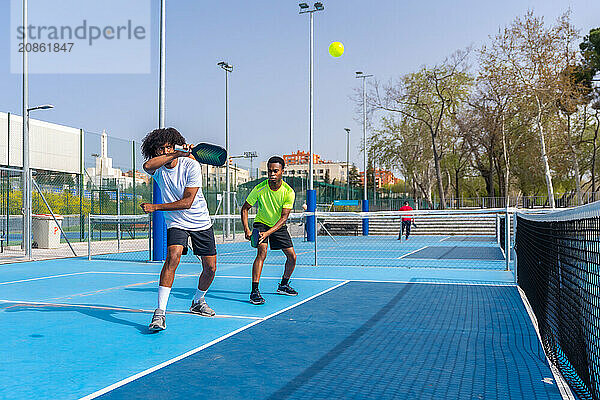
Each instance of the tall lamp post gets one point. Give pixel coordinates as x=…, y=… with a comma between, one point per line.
x=27, y=206
x=365, y=202
x=159, y=227
x=311, y=195
x=347, y=163
x=228, y=69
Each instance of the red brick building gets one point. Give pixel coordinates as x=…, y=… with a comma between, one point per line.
x=382, y=178
x=301, y=157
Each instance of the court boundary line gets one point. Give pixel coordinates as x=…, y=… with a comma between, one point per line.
x=204, y=346
x=561, y=383
x=412, y=252
x=116, y=308
x=44, y=277
x=508, y=283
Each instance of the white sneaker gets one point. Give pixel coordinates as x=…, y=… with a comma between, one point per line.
x=159, y=322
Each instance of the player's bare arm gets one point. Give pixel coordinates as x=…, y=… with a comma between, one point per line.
x=189, y=193
x=247, y=232
x=166, y=154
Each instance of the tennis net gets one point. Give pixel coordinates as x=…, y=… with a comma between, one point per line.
x=438, y=239
x=558, y=265
x=119, y=237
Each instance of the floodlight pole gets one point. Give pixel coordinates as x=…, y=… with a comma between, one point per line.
x=159, y=237
x=347, y=163
x=26, y=171
x=311, y=196
x=365, y=202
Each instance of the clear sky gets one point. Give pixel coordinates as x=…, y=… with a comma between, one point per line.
x=267, y=42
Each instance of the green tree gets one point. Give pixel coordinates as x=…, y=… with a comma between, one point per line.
x=430, y=96
x=354, y=176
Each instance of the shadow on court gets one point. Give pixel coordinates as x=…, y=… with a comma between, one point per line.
x=101, y=312
x=188, y=294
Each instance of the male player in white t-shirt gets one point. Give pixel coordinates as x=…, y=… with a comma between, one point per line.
x=179, y=178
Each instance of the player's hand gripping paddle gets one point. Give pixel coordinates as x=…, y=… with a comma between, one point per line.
x=206, y=153
x=254, y=238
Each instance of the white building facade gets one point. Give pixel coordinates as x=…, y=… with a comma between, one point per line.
x=337, y=171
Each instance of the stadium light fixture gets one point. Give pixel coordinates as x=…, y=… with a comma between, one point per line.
x=42, y=107
x=225, y=66
x=303, y=6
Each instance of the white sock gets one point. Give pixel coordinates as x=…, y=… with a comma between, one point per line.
x=163, y=297
x=199, y=295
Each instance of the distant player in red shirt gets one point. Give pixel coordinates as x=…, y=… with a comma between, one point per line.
x=406, y=220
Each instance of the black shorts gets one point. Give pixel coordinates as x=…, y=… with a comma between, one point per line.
x=280, y=239
x=202, y=241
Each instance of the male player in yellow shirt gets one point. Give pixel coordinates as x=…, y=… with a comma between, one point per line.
x=275, y=202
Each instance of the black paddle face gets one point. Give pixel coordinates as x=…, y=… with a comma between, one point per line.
x=211, y=154
x=206, y=153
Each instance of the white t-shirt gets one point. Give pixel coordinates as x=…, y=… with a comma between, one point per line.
x=172, y=183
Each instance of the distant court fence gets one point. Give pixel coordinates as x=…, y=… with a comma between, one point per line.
x=11, y=216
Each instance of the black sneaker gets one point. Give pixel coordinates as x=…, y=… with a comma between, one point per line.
x=256, y=298
x=287, y=290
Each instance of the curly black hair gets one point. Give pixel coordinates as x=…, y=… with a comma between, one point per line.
x=158, y=138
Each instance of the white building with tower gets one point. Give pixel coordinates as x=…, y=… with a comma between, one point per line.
x=103, y=174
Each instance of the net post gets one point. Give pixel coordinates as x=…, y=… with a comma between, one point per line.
x=498, y=228
x=81, y=186
x=316, y=234
x=159, y=228
x=149, y=237
x=118, y=220
x=507, y=249
x=311, y=220
x=515, y=236
x=365, y=221
x=90, y=237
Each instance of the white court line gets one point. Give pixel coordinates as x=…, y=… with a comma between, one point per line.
x=45, y=277
x=219, y=276
x=368, y=267
x=466, y=283
x=134, y=310
x=412, y=252
x=278, y=278
x=196, y=350
x=138, y=273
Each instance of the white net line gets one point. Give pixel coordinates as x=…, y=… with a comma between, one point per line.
x=100, y=218
x=590, y=210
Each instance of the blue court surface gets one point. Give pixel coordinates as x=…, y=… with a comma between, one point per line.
x=78, y=329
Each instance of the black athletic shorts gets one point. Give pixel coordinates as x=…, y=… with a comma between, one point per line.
x=202, y=241
x=280, y=239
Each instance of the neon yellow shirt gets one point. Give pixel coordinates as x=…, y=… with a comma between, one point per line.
x=271, y=203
